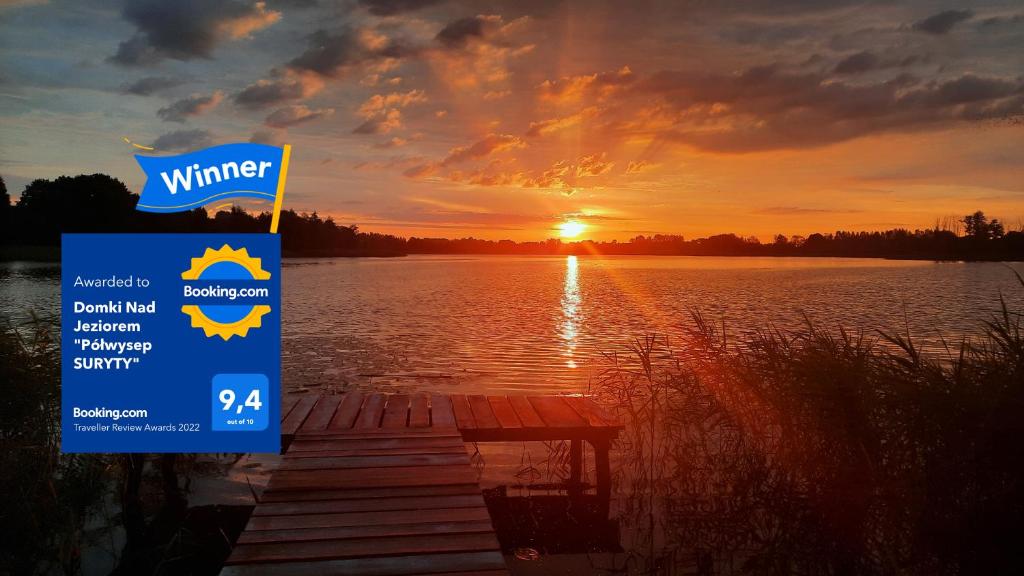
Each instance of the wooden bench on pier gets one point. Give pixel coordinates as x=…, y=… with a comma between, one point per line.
x=375, y=484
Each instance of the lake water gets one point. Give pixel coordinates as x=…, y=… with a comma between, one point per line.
x=536, y=324
x=503, y=324
x=497, y=325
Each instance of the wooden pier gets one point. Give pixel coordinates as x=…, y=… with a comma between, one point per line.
x=381, y=484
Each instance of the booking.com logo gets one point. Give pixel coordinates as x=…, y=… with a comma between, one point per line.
x=225, y=320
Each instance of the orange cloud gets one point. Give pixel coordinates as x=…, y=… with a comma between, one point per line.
x=638, y=166
x=421, y=170
x=563, y=175
x=379, y=103
x=490, y=144
x=593, y=165
x=394, y=142
x=488, y=176
x=475, y=52
x=496, y=94
x=249, y=22
x=552, y=125
x=381, y=123
x=574, y=88
x=553, y=177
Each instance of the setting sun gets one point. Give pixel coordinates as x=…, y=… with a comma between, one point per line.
x=571, y=228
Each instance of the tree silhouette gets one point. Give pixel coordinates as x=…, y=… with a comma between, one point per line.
x=100, y=203
x=978, y=226
x=94, y=203
x=5, y=209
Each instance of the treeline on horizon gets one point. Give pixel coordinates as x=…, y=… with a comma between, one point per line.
x=100, y=203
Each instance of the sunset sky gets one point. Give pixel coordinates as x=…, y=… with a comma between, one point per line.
x=506, y=119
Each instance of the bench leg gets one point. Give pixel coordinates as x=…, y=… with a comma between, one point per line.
x=604, y=474
x=575, y=467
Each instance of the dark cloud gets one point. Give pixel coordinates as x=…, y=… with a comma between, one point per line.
x=999, y=21
x=763, y=33
x=761, y=7
x=183, y=140
x=966, y=89
x=272, y=137
x=151, y=85
x=866, y=61
x=942, y=22
x=293, y=3
x=186, y=29
x=293, y=115
x=455, y=34
x=328, y=54
x=136, y=51
x=857, y=63
x=194, y=105
x=767, y=108
x=331, y=54
x=280, y=88
x=392, y=7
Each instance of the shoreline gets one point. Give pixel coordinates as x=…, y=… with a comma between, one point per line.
x=51, y=254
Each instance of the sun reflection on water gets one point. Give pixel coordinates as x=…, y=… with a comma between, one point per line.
x=571, y=317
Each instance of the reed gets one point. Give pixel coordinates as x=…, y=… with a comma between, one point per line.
x=45, y=496
x=822, y=452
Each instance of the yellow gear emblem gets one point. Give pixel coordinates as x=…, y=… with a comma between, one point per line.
x=212, y=266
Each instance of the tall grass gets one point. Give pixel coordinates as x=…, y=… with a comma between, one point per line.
x=823, y=452
x=45, y=496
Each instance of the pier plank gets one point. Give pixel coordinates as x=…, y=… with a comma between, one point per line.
x=387, y=546
x=372, y=411
x=298, y=414
x=375, y=518
x=396, y=412
x=375, y=484
x=370, y=492
x=305, y=443
x=419, y=411
x=345, y=532
x=376, y=452
x=322, y=413
x=587, y=410
x=391, y=461
x=524, y=410
x=345, y=415
x=556, y=412
x=463, y=413
x=372, y=433
x=398, y=476
x=483, y=415
x=441, y=412
x=370, y=505
x=379, y=566
x=288, y=402
x=402, y=508
x=504, y=412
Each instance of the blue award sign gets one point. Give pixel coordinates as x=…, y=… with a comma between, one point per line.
x=171, y=342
